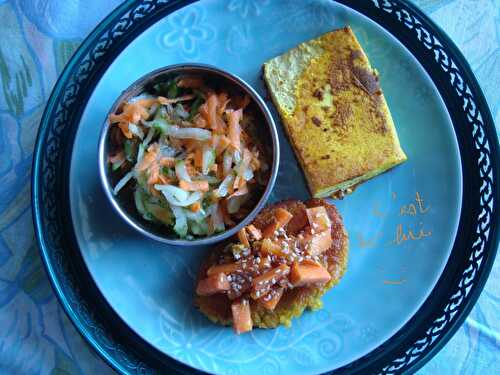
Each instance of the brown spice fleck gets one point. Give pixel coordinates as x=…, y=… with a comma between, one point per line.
x=325, y=157
x=316, y=121
x=318, y=94
x=356, y=54
x=344, y=111
x=365, y=80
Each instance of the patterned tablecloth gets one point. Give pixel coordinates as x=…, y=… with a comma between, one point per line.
x=37, y=39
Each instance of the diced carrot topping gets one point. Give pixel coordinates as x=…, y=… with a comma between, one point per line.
x=262, y=284
x=242, y=317
x=213, y=284
x=282, y=217
x=234, y=131
x=191, y=82
x=314, y=242
x=200, y=185
x=270, y=300
x=318, y=218
x=269, y=229
x=242, y=236
x=223, y=268
x=162, y=100
x=320, y=242
x=272, y=248
x=195, y=207
x=308, y=273
x=255, y=233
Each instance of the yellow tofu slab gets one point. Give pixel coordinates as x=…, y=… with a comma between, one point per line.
x=334, y=112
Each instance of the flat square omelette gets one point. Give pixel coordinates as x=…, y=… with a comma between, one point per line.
x=334, y=112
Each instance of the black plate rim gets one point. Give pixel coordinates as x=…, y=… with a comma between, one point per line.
x=129, y=356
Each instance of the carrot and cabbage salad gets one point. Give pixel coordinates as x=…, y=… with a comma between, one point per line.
x=187, y=155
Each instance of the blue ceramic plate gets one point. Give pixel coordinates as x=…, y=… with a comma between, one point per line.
x=422, y=236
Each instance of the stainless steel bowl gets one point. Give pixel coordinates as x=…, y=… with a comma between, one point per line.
x=267, y=134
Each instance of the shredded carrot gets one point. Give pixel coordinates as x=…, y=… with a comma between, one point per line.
x=191, y=82
x=195, y=207
x=221, y=142
x=147, y=160
x=146, y=102
x=234, y=127
x=164, y=180
x=198, y=158
x=167, y=162
x=212, y=111
x=154, y=174
x=240, y=191
x=224, y=100
x=200, y=122
x=200, y=185
x=162, y=100
x=125, y=130
x=221, y=113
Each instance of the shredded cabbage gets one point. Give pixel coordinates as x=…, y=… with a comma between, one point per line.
x=224, y=186
x=208, y=158
x=136, y=130
x=123, y=182
x=180, y=227
x=181, y=171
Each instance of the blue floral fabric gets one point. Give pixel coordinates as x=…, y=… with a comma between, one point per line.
x=38, y=38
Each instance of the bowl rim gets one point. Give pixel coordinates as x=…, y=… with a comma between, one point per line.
x=271, y=125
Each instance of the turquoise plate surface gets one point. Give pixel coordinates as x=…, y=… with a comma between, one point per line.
x=402, y=224
x=422, y=236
